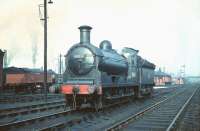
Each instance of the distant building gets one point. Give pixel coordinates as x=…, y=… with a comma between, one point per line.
x=178, y=80
x=162, y=78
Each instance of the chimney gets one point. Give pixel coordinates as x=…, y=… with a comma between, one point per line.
x=85, y=34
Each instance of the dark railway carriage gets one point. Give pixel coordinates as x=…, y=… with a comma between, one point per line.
x=95, y=75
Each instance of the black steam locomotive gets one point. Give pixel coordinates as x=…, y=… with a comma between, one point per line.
x=95, y=75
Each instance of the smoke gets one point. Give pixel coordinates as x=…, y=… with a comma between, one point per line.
x=12, y=51
x=10, y=56
x=34, y=39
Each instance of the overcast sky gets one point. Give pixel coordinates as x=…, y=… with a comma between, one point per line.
x=166, y=32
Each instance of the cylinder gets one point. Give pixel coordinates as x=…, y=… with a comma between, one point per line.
x=85, y=34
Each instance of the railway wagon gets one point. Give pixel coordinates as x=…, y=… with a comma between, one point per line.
x=27, y=78
x=24, y=79
x=96, y=76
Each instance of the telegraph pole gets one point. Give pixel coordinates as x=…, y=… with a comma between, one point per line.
x=60, y=69
x=45, y=47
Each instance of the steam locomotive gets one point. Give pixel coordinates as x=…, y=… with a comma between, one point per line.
x=94, y=76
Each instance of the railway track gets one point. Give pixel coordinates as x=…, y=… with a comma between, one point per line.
x=11, y=114
x=70, y=118
x=19, y=116
x=92, y=120
x=87, y=117
x=190, y=118
x=163, y=115
x=30, y=122
x=49, y=121
x=27, y=98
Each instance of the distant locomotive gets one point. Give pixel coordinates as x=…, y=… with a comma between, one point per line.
x=96, y=75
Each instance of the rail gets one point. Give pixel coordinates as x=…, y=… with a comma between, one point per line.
x=124, y=122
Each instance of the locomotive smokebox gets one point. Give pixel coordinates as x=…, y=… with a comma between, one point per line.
x=85, y=34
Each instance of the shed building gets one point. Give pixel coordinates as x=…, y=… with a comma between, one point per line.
x=162, y=78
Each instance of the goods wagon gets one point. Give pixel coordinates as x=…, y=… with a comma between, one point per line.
x=25, y=78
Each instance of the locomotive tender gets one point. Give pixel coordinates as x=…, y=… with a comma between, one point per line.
x=96, y=75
